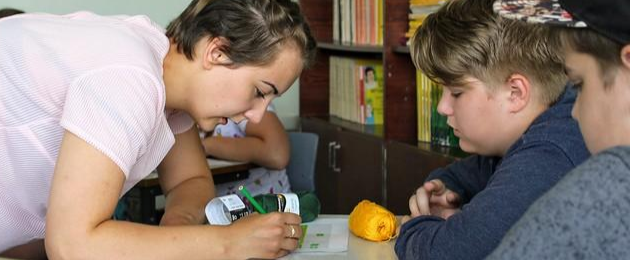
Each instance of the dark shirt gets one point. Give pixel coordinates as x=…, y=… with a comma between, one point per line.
x=497, y=191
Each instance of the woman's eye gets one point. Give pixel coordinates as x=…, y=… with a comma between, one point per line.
x=259, y=94
x=455, y=94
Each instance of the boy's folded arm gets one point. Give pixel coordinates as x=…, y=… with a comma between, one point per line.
x=478, y=228
x=466, y=177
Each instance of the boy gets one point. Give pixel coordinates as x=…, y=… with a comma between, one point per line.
x=585, y=216
x=504, y=95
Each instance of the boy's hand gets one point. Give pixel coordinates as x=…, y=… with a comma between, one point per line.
x=433, y=198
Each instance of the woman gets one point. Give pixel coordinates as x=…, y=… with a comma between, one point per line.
x=91, y=104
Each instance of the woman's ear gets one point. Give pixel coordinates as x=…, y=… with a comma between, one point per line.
x=520, y=92
x=213, y=53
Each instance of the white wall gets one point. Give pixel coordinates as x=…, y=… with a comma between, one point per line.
x=160, y=11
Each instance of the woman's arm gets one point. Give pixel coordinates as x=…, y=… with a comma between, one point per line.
x=265, y=144
x=186, y=181
x=84, y=192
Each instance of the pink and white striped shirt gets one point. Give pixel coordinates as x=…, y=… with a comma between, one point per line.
x=97, y=77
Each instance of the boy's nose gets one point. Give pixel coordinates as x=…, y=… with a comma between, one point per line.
x=444, y=107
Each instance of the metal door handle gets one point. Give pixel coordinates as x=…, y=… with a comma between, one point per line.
x=336, y=148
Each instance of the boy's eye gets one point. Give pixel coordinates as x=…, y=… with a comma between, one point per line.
x=455, y=94
x=259, y=94
x=577, y=85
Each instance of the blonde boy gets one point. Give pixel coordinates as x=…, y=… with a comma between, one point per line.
x=504, y=95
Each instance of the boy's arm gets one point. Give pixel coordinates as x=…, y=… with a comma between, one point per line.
x=476, y=230
x=468, y=176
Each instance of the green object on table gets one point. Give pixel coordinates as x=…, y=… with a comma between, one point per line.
x=309, y=204
x=247, y=195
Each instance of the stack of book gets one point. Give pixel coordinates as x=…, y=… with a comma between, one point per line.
x=356, y=90
x=358, y=22
x=432, y=126
x=418, y=10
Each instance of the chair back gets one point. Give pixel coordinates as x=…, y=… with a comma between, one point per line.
x=301, y=167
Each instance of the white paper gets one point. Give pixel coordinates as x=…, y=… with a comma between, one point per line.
x=326, y=235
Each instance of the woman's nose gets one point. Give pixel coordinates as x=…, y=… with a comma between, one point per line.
x=255, y=114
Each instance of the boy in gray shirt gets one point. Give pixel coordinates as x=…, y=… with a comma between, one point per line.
x=585, y=215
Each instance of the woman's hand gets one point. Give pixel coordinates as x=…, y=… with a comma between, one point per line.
x=266, y=236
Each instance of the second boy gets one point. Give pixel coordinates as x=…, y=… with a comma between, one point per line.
x=504, y=95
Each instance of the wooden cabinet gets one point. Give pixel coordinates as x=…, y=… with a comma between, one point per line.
x=349, y=166
x=407, y=167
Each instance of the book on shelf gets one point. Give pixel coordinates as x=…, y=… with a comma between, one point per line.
x=356, y=90
x=358, y=22
x=432, y=127
x=371, y=87
x=427, y=2
x=418, y=11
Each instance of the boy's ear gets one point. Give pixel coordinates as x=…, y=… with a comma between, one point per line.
x=520, y=92
x=213, y=53
x=625, y=56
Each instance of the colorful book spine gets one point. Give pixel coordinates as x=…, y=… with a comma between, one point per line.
x=358, y=22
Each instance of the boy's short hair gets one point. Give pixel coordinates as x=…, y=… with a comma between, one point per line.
x=598, y=28
x=465, y=38
x=254, y=30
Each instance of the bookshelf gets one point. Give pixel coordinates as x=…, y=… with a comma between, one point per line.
x=400, y=93
x=383, y=163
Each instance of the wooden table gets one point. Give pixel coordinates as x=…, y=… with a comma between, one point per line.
x=358, y=249
x=144, y=203
x=217, y=167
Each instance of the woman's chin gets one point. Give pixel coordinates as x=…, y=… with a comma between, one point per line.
x=209, y=124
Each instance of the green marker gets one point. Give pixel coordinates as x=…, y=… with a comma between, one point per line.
x=249, y=197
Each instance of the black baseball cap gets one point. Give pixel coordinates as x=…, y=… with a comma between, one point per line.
x=611, y=18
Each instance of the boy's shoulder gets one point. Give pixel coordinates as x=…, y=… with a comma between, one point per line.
x=614, y=162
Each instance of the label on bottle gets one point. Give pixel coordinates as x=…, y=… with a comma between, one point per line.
x=225, y=209
x=288, y=202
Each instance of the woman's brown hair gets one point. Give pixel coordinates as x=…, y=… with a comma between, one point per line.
x=254, y=30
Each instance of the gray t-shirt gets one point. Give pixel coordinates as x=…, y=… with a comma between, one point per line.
x=585, y=216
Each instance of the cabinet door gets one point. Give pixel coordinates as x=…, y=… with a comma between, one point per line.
x=349, y=167
x=325, y=178
x=407, y=168
x=361, y=170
